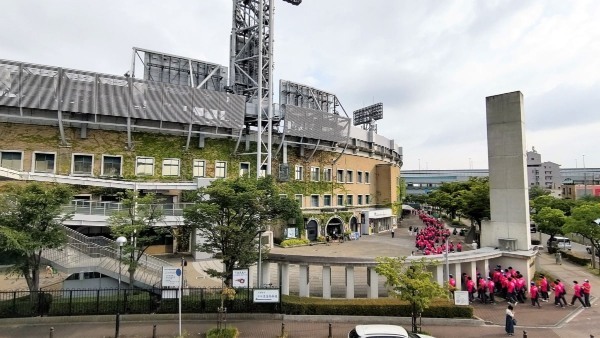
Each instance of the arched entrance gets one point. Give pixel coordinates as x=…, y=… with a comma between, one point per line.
x=354, y=224
x=311, y=230
x=335, y=227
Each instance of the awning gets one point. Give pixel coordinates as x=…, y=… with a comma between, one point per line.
x=407, y=207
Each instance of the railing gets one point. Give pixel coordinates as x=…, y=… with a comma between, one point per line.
x=104, y=301
x=86, y=207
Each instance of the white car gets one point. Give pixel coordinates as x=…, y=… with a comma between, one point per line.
x=383, y=331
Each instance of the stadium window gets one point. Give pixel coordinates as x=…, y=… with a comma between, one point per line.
x=315, y=173
x=11, y=160
x=349, y=200
x=220, y=169
x=349, y=176
x=327, y=174
x=82, y=164
x=367, y=178
x=359, y=199
x=43, y=162
x=112, y=166
x=299, y=199
x=244, y=169
x=326, y=200
x=199, y=168
x=314, y=201
x=144, y=166
x=263, y=170
x=299, y=173
x=170, y=167
x=340, y=176
x=359, y=177
x=340, y=200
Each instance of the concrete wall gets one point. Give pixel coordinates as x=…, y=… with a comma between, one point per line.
x=509, y=200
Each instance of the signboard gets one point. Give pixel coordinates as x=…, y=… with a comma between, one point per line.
x=291, y=232
x=240, y=278
x=266, y=295
x=171, y=277
x=461, y=298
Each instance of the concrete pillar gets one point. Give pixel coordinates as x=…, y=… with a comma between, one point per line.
x=303, y=281
x=438, y=274
x=284, y=275
x=483, y=267
x=471, y=270
x=349, y=282
x=326, y=282
x=266, y=273
x=372, y=283
x=509, y=198
x=456, y=271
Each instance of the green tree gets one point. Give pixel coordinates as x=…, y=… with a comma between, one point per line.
x=31, y=220
x=228, y=215
x=412, y=282
x=583, y=221
x=550, y=221
x=475, y=202
x=536, y=191
x=137, y=221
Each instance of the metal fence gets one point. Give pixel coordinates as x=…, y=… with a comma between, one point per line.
x=15, y=304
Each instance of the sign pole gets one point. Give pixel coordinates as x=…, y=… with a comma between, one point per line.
x=180, y=296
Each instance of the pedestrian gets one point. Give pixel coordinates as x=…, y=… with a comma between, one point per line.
x=558, y=291
x=576, y=294
x=534, y=295
x=490, y=289
x=544, y=287
x=392, y=232
x=586, y=288
x=509, y=326
x=558, y=258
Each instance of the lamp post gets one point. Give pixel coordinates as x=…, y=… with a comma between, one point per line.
x=120, y=241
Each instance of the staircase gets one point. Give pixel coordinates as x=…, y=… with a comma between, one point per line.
x=99, y=254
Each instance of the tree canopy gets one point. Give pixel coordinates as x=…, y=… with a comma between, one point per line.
x=229, y=214
x=550, y=221
x=31, y=220
x=584, y=221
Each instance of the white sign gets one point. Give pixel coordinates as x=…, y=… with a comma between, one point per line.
x=171, y=277
x=291, y=233
x=461, y=298
x=240, y=278
x=266, y=295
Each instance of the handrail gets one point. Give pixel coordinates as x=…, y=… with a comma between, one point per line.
x=87, y=207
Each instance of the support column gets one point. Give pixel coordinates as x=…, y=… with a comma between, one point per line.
x=372, y=283
x=472, y=270
x=349, y=282
x=438, y=274
x=456, y=270
x=326, y=282
x=284, y=275
x=483, y=267
x=303, y=281
x=266, y=275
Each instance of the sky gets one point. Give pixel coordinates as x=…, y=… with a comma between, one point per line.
x=431, y=63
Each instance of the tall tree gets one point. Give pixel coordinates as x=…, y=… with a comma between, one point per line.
x=229, y=214
x=31, y=220
x=476, y=200
x=550, y=221
x=537, y=191
x=585, y=221
x=412, y=282
x=138, y=221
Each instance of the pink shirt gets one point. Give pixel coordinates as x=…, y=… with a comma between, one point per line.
x=577, y=290
x=533, y=291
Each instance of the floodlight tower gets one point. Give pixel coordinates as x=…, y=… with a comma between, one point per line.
x=251, y=69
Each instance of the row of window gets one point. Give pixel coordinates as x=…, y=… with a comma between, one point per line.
x=341, y=200
x=342, y=176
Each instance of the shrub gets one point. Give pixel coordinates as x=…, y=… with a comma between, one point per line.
x=294, y=242
x=229, y=332
x=456, y=223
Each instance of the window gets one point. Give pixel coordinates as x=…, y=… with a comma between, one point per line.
x=367, y=199
x=111, y=165
x=282, y=195
x=220, y=169
x=367, y=180
x=349, y=200
x=349, y=176
x=11, y=160
x=314, y=201
x=144, y=166
x=340, y=176
x=263, y=170
x=327, y=174
x=170, y=167
x=199, y=168
x=299, y=173
x=359, y=199
x=340, y=200
x=359, y=176
x=298, y=199
x=244, y=169
x=43, y=162
x=326, y=200
x=82, y=164
x=315, y=174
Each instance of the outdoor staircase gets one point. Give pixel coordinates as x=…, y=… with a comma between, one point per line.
x=100, y=254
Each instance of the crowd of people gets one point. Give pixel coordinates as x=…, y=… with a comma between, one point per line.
x=431, y=239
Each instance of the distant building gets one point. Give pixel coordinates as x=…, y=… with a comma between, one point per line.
x=544, y=174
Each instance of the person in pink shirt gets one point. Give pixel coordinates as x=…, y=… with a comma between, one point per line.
x=544, y=287
x=558, y=291
x=586, y=288
x=470, y=288
x=510, y=291
x=534, y=295
x=577, y=294
x=564, y=292
x=490, y=290
x=458, y=247
x=482, y=290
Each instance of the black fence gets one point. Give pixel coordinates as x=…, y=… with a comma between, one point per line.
x=131, y=301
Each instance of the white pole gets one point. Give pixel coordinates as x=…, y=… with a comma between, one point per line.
x=180, y=296
x=447, y=263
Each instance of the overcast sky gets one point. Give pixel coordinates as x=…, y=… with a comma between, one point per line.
x=431, y=63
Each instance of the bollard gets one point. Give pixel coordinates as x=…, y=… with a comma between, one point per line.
x=154, y=331
x=330, y=335
x=51, y=332
x=282, y=329
x=524, y=334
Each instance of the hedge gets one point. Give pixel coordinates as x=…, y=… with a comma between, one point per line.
x=439, y=308
x=294, y=242
x=574, y=258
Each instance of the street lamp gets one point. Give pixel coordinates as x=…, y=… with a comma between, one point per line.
x=120, y=241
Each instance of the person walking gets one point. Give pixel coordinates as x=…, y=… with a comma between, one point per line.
x=544, y=287
x=534, y=295
x=586, y=288
x=510, y=323
x=576, y=294
x=392, y=232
